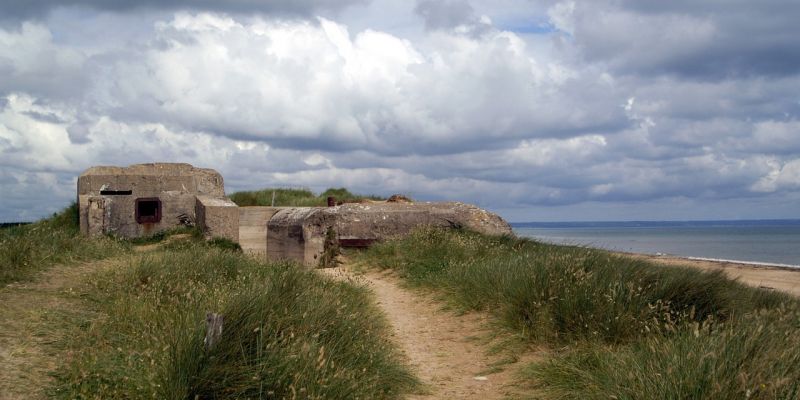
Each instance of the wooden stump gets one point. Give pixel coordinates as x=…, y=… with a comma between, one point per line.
x=213, y=329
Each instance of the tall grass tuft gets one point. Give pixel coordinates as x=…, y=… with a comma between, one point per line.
x=756, y=357
x=27, y=249
x=287, y=333
x=294, y=197
x=621, y=327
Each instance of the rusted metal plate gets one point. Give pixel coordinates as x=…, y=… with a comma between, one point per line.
x=356, y=243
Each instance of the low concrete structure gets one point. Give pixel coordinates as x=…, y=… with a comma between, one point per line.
x=300, y=233
x=382, y=220
x=143, y=199
x=253, y=228
x=218, y=216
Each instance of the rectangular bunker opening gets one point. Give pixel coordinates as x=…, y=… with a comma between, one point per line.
x=116, y=192
x=148, y=210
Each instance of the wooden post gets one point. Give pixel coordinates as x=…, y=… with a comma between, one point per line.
x=213, y=329
x=273, y=199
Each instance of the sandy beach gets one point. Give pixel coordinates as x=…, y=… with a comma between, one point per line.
x=769, y=277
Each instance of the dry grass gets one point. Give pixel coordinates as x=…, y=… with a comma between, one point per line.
x=29, y=249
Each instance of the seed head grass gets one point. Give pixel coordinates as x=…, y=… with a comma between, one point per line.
x=287, y=333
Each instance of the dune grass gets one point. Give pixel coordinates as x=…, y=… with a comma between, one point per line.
x=618, y=327
x=295, y=197
x=757, y=357
x=288, y=333
x=27, y=249
x=138, y=329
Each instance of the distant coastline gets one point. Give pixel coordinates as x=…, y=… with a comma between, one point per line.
x=658, y=224
x=12, y=224
x=758, y=243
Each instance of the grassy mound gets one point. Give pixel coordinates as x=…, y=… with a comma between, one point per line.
x=295, y=197
x=288, y=333
x=27, y=249
x=621, y=328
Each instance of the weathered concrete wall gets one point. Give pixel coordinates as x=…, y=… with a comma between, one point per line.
x=253, y=228
x=120, y=219
x=378, y=221
x=217, y=217
x=298, y=234
x=144, y=178
x=96, y=215
x=175, y=185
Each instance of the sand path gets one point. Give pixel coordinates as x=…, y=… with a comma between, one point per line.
x=448, y=352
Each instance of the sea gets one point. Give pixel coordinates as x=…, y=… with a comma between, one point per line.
x=769, y=242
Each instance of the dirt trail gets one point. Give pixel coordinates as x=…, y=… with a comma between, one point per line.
x=34, y=316
x=448, y=352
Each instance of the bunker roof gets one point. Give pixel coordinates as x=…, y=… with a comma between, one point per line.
x=169, y=169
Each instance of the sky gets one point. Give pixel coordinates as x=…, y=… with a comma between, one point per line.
x=540, y=110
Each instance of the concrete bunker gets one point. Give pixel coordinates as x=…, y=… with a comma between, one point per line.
x=144, y=199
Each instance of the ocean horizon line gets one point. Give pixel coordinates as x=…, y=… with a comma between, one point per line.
x=656, y=223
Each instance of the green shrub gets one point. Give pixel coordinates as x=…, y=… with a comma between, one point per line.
x=294, y=197
x=283, y=197
x=344, y=195
x=160, y=236
x=224, y=244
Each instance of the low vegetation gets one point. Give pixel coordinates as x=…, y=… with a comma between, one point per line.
x=295, y=197
x=618, y=328
x=288, y=333
x=27, y=249
x=137, y=330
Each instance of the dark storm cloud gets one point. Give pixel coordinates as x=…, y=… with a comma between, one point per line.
x=712, y=40
x=445, y=14
x=44, y=117
x=27, y=9
x=450, y=14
